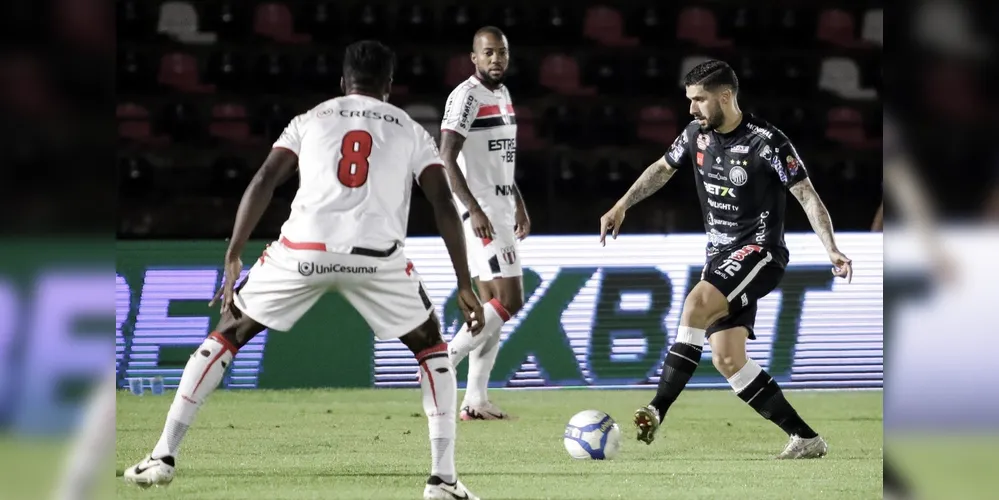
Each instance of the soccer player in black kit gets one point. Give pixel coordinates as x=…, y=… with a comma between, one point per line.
x=743, y=168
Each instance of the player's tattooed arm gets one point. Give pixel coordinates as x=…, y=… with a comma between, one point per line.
x=655, y=177
x=451, y=144
x=277, y=168
x=816, y=211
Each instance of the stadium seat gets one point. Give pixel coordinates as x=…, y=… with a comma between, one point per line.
x=514, y=22
x=229, y=122
x=562, y=125
x=180, y=71
x=794, y=23
x=845, y=125
x=419, y=74
x=841, y=76
x=607, y=127
x=874, y=26
x=657, y=124
x=227, y=70
x=746, y=25
x=134, y=124
x=605, y=25
x=837, y=27
x=653, y=76
x=230, y=176
x=270, y=121
x=368, y=21
x=699, y=26
x=459, y=68
x=560, y=73
x=521, y=78
x=274, y=21
x=179, y=20
x=688, y=64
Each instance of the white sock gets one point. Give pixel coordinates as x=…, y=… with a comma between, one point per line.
x=201, y=376
x=480, y=365
x=440, y=398
x=463, y=342
x=745, y=376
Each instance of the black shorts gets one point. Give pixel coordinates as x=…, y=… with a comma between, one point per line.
x=744, y=276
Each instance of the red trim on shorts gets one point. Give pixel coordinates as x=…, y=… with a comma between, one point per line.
x=499, y=309
x=486, y=241
x=409, y=268
x=306, y=245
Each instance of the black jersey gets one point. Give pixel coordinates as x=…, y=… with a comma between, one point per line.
x=742, y=179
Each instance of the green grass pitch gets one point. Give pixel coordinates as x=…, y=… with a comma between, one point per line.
x=372, y=444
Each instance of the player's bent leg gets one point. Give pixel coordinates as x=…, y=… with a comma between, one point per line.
x=506, y=299
x=201, y=377
x=758, y=389
x=704, y=306
x=440, y=399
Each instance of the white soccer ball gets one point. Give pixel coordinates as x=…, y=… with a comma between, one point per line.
x=592, y=435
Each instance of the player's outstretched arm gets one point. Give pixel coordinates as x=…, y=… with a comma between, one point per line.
x=434, y=183
x=821, y=223
x=654, y=177
x=277, y=168
x=451, y=144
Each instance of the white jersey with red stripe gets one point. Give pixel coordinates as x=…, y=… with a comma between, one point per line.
x=486, y=119
x=357, y=158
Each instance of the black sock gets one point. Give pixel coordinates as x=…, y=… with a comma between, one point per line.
x=765, y=396
x=681, y=361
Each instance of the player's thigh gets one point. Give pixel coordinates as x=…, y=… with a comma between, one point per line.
x=500, y=257
x=484, y=289
x=392, y=299
x=743, y=276
x=704, y=303
x=277, y=291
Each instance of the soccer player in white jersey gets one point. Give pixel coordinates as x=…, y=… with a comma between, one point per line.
x=357, y=157
x=478, y=146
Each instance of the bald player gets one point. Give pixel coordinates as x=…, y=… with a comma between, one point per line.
x=478, y=147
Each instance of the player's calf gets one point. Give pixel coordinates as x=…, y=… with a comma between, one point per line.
x=758, y=389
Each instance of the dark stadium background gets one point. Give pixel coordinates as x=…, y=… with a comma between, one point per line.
x=204, y=87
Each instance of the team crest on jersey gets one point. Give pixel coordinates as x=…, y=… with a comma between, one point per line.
x=738, y=175
x=703, y=141
x=766, y=152
x=509, y=254
x=700, y=159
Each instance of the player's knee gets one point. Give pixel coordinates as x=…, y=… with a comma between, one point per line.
x=700, y=310
x=238, y=331
x=424, y=336
x=511, y=297
x=727, y=362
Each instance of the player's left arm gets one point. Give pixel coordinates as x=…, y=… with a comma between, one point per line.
x=279, y=166
x=792, y=173
x=523, y=221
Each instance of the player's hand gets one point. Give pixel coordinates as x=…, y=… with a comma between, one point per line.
x=233, y=268
x=523, y=227
x=611, y=221
x=480, y=224
x=471, y=308
x=842, y=265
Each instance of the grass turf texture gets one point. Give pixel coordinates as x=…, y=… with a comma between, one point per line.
x=373, y=444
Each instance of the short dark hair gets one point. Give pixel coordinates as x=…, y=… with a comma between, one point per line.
x=368, y=65
x=711, y=75
x=491, y=30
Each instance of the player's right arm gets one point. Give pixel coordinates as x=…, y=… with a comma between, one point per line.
x=655, y=177
x=459, y=113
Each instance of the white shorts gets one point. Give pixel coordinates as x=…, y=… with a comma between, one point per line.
x=284, y=284
x=496, y=258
